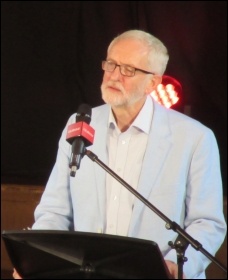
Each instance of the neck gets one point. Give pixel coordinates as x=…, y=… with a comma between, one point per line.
x=126, y=114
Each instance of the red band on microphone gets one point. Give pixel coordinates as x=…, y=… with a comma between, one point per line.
x=80, y=129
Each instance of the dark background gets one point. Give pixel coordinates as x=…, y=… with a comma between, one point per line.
x=51, y=56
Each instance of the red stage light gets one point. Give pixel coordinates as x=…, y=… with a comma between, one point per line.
x=168, y=92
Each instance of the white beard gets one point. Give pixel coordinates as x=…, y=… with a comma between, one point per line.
x=121, y=97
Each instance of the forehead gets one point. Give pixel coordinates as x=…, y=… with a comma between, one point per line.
x=129, y=51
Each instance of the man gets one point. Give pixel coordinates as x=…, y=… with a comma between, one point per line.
x=169, y=158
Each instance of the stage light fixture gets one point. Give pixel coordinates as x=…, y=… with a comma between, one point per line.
x=168, y=93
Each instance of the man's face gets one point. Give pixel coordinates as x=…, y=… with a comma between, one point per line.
x=119, y=90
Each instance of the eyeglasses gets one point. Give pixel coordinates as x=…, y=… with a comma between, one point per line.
x=125, y=70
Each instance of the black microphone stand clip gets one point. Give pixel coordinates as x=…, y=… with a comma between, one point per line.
x=180, y=245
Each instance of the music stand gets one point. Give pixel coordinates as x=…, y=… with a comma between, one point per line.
x=51, y=254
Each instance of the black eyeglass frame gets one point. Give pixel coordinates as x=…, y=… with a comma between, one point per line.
x=124, y=65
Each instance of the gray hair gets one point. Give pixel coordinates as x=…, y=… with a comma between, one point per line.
x=157, y=52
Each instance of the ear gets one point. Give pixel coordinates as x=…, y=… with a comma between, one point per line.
x=153, y=83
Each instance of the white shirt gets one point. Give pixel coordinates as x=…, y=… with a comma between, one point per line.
x=126, y=151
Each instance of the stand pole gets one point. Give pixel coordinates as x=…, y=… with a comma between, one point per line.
x=182, y=241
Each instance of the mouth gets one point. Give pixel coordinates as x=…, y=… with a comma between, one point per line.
x=114, y=89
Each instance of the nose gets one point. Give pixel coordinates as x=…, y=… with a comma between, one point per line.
x=116, y=74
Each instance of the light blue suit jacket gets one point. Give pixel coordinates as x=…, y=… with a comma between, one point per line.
x=180, y=177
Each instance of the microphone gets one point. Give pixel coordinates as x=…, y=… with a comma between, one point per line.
x=80, y=135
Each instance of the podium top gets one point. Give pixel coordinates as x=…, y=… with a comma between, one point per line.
x=51, y=254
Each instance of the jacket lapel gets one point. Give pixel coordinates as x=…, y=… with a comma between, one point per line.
x=100, y=150
x=159, y=143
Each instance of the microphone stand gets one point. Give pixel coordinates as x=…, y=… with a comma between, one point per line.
x=183, y=238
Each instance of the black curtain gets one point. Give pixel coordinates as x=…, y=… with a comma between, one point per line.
x=51, y=54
